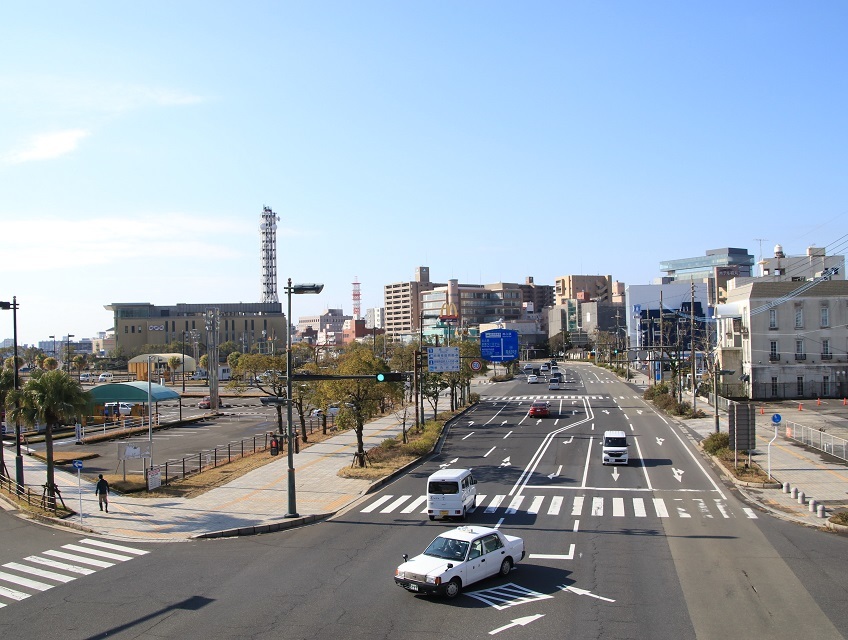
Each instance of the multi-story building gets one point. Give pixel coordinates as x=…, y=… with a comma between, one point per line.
x=598, y=288
x=785, y=339
x=141, y=324
x=329, y=325
x=814, y=263
x=716, y=268
x=375, y=318
x=536, y=296
x=402, y=303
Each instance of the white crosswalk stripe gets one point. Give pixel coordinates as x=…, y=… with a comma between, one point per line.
x=593, y=506
x=18, y=579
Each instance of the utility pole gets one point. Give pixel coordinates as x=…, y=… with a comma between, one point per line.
x=692, y=347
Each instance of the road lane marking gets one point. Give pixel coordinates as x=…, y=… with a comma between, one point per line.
x=597, y=506
x=577, y=507
x=660, y=508
x=534, y=507
x=750, y=513
x=639, y=508
x=394, y=505
x=379, y=501
x=556, y=505
x=485, y=455
x=618, y=507
x=414, y=504
x=514, y=505
x=494, y=504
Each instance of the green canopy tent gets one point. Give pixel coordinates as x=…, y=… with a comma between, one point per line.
x=133, y=392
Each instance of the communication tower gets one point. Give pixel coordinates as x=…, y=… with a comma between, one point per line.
x=357, y=308
x=268, y=252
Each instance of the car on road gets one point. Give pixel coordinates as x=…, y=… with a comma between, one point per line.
x=206, y=403
x=545, y=367
x=85, y=377
x=332, y=411
x=539, y=409
x=458, y=558
x=532, y=379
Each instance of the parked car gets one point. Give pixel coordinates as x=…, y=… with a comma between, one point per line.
x=332, y=411
x=125, y=408
x=206, y=403
x=106, y=376
x=458, y=558
x=85, y=377
x=532, y=379
x=539, y=409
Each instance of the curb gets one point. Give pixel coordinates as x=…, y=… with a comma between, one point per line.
x=838, y=528
x=264, y=528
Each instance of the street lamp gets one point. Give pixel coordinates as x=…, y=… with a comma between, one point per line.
x=718, y=372
x=54, y=345
x=19, y=461
x=290, y=289
x=68, y=353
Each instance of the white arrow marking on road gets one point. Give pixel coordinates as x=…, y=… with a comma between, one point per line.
x=569, y=441
x=517, y=621
x=539, y=421
x=678, y=474
x=551, y=476
x=606, y=411
x=585, y=592
x=639, y=411
x=470, y=423
x=503, y=423
x=615, y=473
x=505, y=462
x=469, y=435
x=447, y=464
x=660, y=441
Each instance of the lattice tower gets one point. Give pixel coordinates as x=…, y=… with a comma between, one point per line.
x=357, y=307
x=268, y=254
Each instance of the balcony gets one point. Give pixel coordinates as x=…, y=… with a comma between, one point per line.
x=800, y=356
x=774, y=357
x=827, y=356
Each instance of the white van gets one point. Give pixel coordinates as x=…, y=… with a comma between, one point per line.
x=451, y=493
x=106, y=376
x=124, y=407
x=615, y=447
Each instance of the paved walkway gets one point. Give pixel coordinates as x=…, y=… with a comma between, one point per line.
x=258, y=501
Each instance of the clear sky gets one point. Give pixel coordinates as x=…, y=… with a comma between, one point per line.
x=490, y=141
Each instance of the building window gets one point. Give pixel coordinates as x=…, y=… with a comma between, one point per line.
x=799, y=350
x=826, y=385
x=825, y=317
x=799, y=317
x=133, y=329
x=126, y=329
x=774, y=355
x=799, y=385
x=772, y=318
x=774, y=386
x=826, y=349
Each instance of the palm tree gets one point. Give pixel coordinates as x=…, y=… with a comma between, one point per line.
x=50, y=399
x=79, y=361
x=7, y=386
x=174, y=363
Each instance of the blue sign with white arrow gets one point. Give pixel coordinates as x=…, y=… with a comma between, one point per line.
x=499, y=345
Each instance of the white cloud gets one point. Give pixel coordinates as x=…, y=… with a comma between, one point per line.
x=47, y=146
x=83, y=96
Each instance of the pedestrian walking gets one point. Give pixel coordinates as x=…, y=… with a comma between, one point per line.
x=102, y=491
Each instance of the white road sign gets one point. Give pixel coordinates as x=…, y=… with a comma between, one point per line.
x=442, y=359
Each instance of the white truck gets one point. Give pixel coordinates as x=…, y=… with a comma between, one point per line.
x=460, y=557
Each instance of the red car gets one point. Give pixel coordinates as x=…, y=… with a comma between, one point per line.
x=539, y=409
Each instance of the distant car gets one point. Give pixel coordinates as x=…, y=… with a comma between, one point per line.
x=113, y=408
x=545, y=367
x=106, y=377
x=528, y=368
x=85, y=377
x=332, y=411
x=553, y=385
x=206, y=403
x=458, y=558
x=539, y=409
x=556, y=377
x=532, y=379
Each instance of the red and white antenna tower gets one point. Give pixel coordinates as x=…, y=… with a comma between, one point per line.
x=357, y=307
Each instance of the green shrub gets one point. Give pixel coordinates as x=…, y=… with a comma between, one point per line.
x=474, y=397
x=665, y=402
x=714, y=442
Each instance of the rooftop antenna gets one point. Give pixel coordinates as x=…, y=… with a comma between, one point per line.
x=760, y=240
x=268, y=254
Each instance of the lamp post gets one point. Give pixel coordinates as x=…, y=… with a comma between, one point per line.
x=718, y=372
x=68, y=352
x=19, y=461
x=149, y=409
x=54, y=345
x=290, y=289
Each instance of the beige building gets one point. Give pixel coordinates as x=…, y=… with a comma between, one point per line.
x=402, y=303
x=138, y=325
x=585, y=288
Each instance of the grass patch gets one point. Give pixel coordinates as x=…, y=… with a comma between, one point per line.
x=840, y=518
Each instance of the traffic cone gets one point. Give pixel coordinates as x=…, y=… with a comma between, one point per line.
x=818, y=402
x=762, y=411
x=800, y=406
x=844, y=402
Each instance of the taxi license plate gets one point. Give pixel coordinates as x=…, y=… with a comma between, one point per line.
x=443, y=513
x=412, y=587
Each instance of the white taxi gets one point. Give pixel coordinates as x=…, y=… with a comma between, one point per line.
x=460, y=557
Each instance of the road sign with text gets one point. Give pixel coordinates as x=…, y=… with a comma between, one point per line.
x=499, y=345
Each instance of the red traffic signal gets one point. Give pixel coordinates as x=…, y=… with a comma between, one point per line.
x=275, y=446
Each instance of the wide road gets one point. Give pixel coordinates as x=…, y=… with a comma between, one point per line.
x=658, y=549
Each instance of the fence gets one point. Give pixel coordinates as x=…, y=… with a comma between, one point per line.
x=23, y=493
x=179, y=469
x=817, y=439
x=806, y=389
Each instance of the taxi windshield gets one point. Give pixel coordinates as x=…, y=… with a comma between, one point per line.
x=447, y=548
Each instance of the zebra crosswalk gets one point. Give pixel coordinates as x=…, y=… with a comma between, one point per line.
x=576, y=506
x=543, y=397
x=53, y=567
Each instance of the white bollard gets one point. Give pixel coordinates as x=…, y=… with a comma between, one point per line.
x=786, y=487
x=801, y=497
x=820, y=512
x=813, y=504
x=794, y=492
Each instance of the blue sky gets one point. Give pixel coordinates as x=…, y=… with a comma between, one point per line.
x=490, y=141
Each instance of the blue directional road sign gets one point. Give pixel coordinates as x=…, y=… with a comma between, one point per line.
x=499, y=345
x=776, y=418
x=77, y=464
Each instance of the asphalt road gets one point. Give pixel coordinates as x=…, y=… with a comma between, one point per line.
x=658, y=549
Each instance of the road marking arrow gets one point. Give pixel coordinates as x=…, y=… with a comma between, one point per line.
x=505, y=462
x=606, y=411
x=678, y=474
x=569, y=441
x=615, y=474
x=551, y=476
x=660, y=441
x=639, y=411
x=447, y=464
x=516, y=622
x=585, y=592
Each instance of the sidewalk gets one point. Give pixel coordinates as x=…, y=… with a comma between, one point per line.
x=821, y=477
x=253, y=503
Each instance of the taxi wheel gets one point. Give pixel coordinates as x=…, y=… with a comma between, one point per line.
x=506, y=567
x=453, y=588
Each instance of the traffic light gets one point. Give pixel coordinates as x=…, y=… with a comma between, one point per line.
x=392, y=376
x=275, y=446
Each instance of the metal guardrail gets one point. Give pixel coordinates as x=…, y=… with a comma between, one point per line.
x=24, y=493
x=817, y=439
